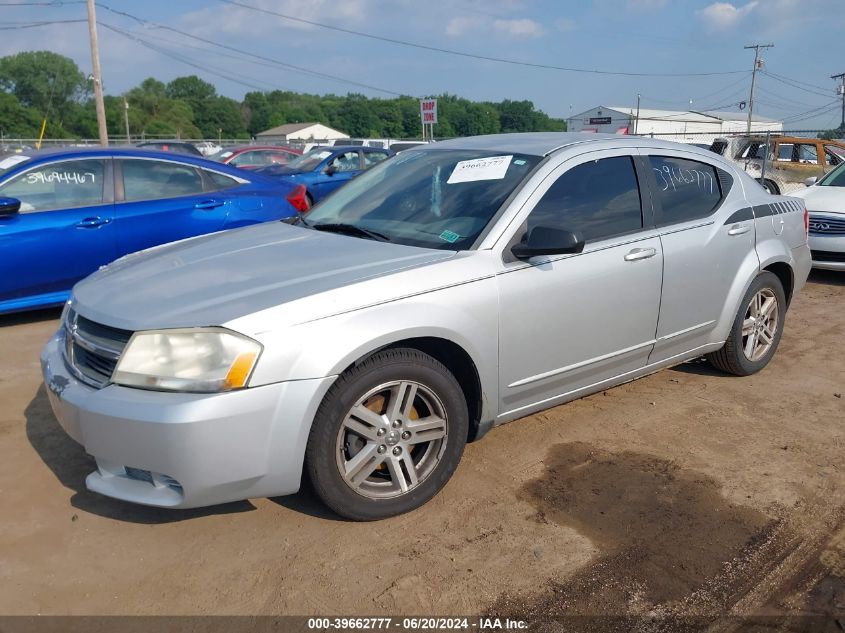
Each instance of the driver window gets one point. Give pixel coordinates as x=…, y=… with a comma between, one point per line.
x=64, y=185
x=598, y=199
x=808, y=154
x=348, y=161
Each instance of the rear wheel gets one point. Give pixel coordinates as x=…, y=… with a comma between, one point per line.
x=757, y=329
x=771, y=187
x=388, y=435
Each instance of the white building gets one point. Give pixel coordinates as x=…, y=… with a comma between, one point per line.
x=625, y=120
x=300, y=133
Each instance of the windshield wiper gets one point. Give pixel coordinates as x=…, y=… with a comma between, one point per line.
x=350, y=229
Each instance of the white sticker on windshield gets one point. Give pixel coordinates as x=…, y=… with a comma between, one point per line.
x=492, y=168
x=11, y=161
x=323, y=155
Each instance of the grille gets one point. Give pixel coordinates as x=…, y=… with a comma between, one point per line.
x=92, y=349
x=145, y=475
x=828, y=256
x=820, y=225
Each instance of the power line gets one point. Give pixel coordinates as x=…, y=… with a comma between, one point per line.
x=269, y=60
x=448, y=51
x=32, y=25
x=790, y=83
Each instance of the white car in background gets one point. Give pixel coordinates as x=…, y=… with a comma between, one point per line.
x=825, y=200
x=207, y=148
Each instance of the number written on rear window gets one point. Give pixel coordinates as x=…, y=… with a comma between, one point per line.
x=687, y=189
x=598, y=199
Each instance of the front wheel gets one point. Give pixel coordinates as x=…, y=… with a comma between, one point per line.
x=757, y=329
x=388, y=435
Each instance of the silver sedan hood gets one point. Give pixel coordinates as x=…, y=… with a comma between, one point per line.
x=214, y=279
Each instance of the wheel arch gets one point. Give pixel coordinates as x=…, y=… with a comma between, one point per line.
x=783, y=271
x=457, y=360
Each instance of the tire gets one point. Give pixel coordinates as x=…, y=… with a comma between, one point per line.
x=734, y=357
x=771, y=187
x=366, y=459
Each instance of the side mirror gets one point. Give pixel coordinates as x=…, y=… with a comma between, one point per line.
x=811, y=181
x=9, y=206
x=331, y=170
x=544, y=240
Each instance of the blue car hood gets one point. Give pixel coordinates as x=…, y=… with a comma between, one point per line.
x=214, y=279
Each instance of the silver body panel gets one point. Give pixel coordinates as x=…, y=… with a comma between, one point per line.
x=539, y=332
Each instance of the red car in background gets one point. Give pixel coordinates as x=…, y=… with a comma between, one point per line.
x=255, y=156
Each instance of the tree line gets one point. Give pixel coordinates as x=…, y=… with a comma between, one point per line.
x=41, y=84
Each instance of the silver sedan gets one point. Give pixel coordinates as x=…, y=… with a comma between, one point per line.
x=450, y=289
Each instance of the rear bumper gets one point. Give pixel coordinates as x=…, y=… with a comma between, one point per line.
x=183, y=450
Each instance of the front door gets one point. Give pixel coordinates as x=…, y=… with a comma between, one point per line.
x=336, y=173
x=568, y=322
x=63, y=232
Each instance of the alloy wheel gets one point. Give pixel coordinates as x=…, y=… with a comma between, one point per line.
x=760, y=324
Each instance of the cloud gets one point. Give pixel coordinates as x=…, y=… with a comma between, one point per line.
x=463, y=24
x=521, y=28
x=724, y=15
x=518, y=28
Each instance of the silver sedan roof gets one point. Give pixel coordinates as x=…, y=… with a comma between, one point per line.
x=544, y=143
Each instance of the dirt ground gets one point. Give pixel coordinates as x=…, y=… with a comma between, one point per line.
x=685, y=492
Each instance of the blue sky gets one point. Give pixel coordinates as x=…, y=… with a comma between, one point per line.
x=637, y=36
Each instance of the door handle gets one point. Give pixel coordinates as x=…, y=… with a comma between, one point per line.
x=640, y=253
x=209, y=204
x=92, y=223
x=738, y=229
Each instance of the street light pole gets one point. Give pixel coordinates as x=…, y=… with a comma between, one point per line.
x=126, y=119
x=757, y=65
x=98, y=79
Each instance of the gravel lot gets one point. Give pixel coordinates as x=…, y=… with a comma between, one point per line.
x=684, y=492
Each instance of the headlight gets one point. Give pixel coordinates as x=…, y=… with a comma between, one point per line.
x=203, y=360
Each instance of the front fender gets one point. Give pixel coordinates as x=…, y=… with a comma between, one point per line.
x=466, y=315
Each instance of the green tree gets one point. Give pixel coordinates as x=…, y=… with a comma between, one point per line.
x=17, y=120
x=42, y=80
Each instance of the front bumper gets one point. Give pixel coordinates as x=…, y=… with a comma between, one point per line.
x=828, y=251
x=184, y=450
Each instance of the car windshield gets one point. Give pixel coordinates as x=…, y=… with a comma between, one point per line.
x=9, y=161
x=835, y=178
x=310, y=160
x=431, y=198
x=220, y=156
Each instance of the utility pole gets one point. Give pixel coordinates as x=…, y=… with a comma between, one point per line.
x=126, y=119
x=841, y=92
x=757, y=65
x=98, y=78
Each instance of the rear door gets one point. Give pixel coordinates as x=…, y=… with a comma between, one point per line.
x=64, y=231
x=707, y=236
x=160, y=201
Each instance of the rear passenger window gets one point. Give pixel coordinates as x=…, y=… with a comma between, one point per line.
x=219, y=181
x=686, y=189
x=598, y=199
x=152, y=179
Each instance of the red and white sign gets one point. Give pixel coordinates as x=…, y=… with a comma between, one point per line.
x=428, y=111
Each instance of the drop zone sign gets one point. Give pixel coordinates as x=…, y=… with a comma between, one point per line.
x=428, y=110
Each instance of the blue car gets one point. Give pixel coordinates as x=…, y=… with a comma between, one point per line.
x=63, y=214
x=323, y=170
